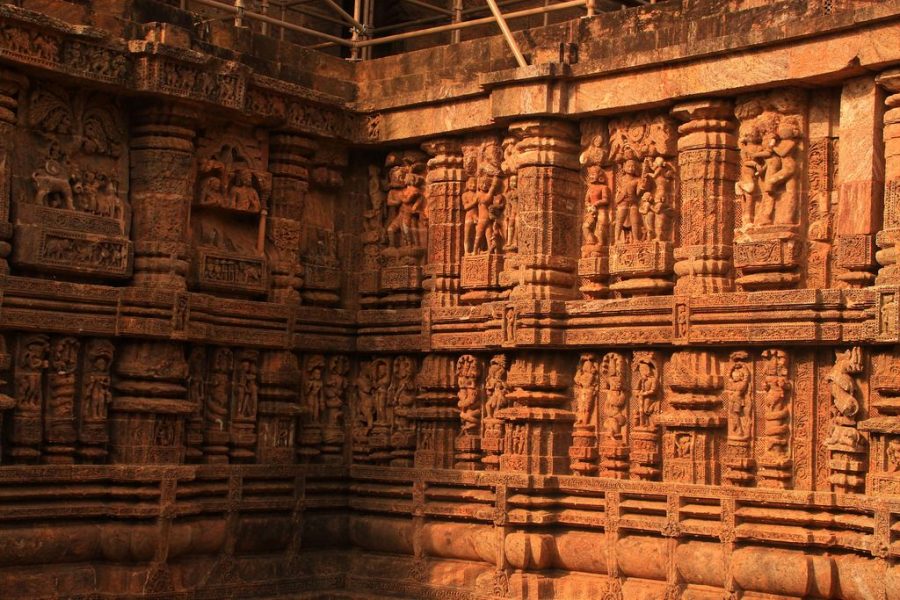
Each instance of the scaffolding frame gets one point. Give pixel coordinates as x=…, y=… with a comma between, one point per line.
x=362, y=36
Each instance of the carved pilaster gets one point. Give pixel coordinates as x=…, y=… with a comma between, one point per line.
x=444, y=188
x=147, y=415
x=775, y=464
x=289, y=156
x=889, y=238
x=244, y=406
x=11, y=85
x=492, y=427
x=615, y=427
x=31, y=362
x=7, y=402
x=337, y=382
x=59, y=415
x=217, y=401
x=845, y=445
x=707, y=160
x=596, y=220
x=548, y=189
x=96, y=396
x=538, y=429
x=470, y=398
x=583, y=451
x=401, y=400
x=279, y=406
x=319, y=254
x=646, y=402
x=162, y=188
x=860, y=181
x=692, y=418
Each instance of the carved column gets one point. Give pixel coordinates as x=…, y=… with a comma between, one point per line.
x=11, y=84
x=436, y=414
x=583, y=451
x=860, y=181
x=492, y=427
x=646, y=402
x=148, y=413
x=319, y=254
x=548, y=189
x=244, y=406
x=889, y=238
x=614, y=423
x=337, y=383
x=59, y=412
x=401, y=400
x=289, y=156
x=150, y=405
x=692, y=419
x=470, y=396
x=707, y=168
x=216, y=406
x=279, y=406
x=444, y=187
x=162, y=187
x=739, y=386
x=313, y=397
x=537, y=427
x=31, y=361
x=777, y=404
x=596, y=220
x=7, y=402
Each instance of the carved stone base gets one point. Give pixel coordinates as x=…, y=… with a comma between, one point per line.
x=768, y=258
x=645, y=454
x=243, y=442
x=848, y=469
x=491, y=443
x=403, y=444
x=583, y=451
x=401, y=285
x=321, y=285
x=333, y=445
x=593, y=272
x=737, y=462
x=310, y=439
x=215, y=447
x=380, y=444
x=642, y=268
x=774, y=472
x=468, y=452
x=613, y=459
x=480, y=278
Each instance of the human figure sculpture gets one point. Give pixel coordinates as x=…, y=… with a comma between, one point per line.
x=468, y=404
x=313, y=388
x=614, y=419
x=777, y=410
x=779, y=175
x=495, y=386
x=243, y=195
x=490, y=210
x=409, y=202
x=97, y=388
x=365, y=393
x=586, y=385
x=646, y=391
x=382, y=381
x=746, y=188
x=470, y=205
x=656, y=206
x=737, y=386
x=627, y=229
x=845, y=405
x=247, y=387
x=595, y=226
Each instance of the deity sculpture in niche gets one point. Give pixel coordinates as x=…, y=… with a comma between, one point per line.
x=59, y=412
x=96, y=396
x=583, y=451
x=313, y=399
x=593, y=267
x=245, y=404
x=738, y=403
x=509, y=169
x=646, y=403
x=228, y=216
x=69, y=186
x=775, y=458
x=643, y=149
x=334, y=393
x=614, y=429
x=402, y=396
x=772, y=152
x=399, y=211
x=845, y=444
x=379, y=434
x=363, y=410
x=495, y=399
x=485, y=227
x=7, y=402
x=468, y=443
x=217, y=402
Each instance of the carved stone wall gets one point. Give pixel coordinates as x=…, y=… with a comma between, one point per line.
x=600, y=327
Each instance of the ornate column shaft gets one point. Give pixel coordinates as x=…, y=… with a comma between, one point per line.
x=162, y=187
x=444, y=188
x=889, y=238
x=147, y=415
x=548, y=196
x=538, y=430
x=707, y=159
x=11, y=84
x=289, y=156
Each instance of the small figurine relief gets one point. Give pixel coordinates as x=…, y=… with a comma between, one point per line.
x=219, y=393
x=612, y=369
x=587, y=384
x=335, y=389
x=31, y=363
x=468, y=371
x=246, y=389
x=313, y=388
x=484, y=215
x=406, y=196
x=845, y=403
x=495, y=386
x=646, y=390
x=776, y=401
x=595, y=225
x=738, y=383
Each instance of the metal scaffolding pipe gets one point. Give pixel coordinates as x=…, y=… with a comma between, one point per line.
x=432, y=7
x=348, y=18
x=504, y=28
x=270, y=20
x=472, y=23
